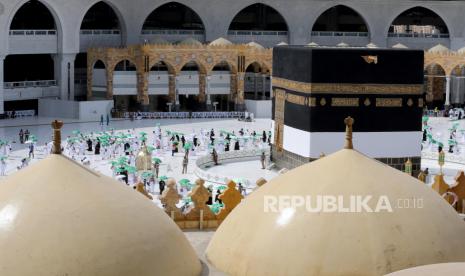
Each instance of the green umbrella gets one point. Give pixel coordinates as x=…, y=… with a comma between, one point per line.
x=146, y=175
x=131, y=169
x=185, y=182
x=76, y=132
x=187, y=146
x=156, y=160
x=222, y=188
x=150, y=148
x=216, y=207
x=120, y=169
x=2, y=158
x=164, y=178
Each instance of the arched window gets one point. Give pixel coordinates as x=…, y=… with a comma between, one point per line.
x=258, y=17
x=100, y=17
x=173, y=16
x=33, y=15
x=340, y=19
x=418, y=21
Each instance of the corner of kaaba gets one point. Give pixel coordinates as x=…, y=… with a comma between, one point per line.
x=314, y=89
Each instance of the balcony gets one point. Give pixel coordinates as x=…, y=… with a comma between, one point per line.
x=334, y=38
x=99, y=38
x=172, y=36
x=33, y=42
x=30, y=90
x=418, y=40
x=265, y=38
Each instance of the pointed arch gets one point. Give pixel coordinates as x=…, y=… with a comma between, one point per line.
x=417, y=17
x=173, y=16
x=340, y=18
x=259, y=16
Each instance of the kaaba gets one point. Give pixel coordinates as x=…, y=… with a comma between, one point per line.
x=314, y=89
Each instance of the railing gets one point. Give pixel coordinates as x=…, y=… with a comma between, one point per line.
x=100, y=32
x=173, y=32
x=269, y=33
x=346, y=34
x=418, y=35
x=227, y=157
x=33, y=32
x=25, y=84
x=179, y=115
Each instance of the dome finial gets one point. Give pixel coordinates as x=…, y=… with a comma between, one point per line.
x=349, y=121
x=56, y=125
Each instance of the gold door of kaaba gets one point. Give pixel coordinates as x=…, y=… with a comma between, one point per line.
x=280, y=99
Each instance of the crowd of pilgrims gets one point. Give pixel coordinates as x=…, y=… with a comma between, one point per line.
x=120, y=149
x=434, y=142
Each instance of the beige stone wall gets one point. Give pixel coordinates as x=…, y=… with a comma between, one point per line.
x=176, y=57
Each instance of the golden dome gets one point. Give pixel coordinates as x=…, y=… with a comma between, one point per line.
x=59, y=218
x=144, y=159
x=439, y=49
x=433, y=270
x=220, y=42
x=298, y=241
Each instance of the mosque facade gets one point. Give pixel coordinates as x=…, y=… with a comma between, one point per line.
x=45, y=44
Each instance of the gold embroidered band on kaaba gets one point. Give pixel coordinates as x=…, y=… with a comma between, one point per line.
x=344, y=88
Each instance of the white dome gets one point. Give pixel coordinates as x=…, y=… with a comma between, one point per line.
x=343, y=45
x=60, y=218
x=159, y=41
x=399, y=46
x=433, y=270
x=255, y=45
x=461, y=50
x=439, y=49
x=312, y=44
x=191, y=41
x=371, y=45
x=220, y=42
x=296, y=241
x=282, y=43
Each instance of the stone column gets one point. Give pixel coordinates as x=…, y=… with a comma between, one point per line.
x=447, y=103
x=208, y=91
x=2, y=91
x=176, y=93
x=240, y=104
x=90, y=74
x=143, y=90
x=110, y=72
x=264, y=86
x=255, y=86
x=202, y=88
x=64, y=75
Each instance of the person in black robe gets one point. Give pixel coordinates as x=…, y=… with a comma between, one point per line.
x=210, y=198
x=161, y=186
x=89, y=144
x=241, y=132
x=236, y=145
x=264, y=137
x=183, y=141
x=226, y=147
x=195, y=141
x=127, y=146
x=424, y=135
x=177, y=137
x=215, y=157
x=97, y=148
x=217, y=197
